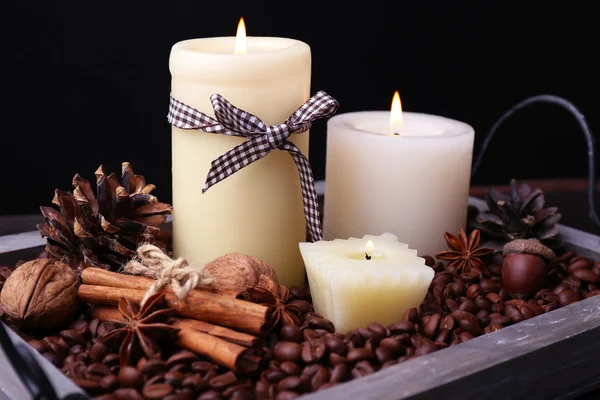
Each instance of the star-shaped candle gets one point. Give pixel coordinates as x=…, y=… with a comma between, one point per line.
x=356, y=281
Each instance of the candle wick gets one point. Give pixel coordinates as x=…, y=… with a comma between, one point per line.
x=367, y=256
x=396, y=134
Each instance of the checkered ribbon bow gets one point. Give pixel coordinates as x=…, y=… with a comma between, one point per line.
x=263, y=138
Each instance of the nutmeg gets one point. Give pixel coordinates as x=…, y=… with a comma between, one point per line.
x=40, y=294
x=236, y=272
x=525, y=266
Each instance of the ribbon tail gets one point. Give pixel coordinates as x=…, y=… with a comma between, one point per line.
x=309, y=193
x=235, y=159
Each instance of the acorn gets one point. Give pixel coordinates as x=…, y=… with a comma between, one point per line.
x=525, y=266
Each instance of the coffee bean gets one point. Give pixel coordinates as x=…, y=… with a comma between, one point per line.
x=430, y=328
x=471, y=326
x=80, y=325
x=340, y=373
x=261, y=388
x=287, y=351
x=583, y=263
x=69, y=360
x=319, y=378
x=426, y=348
x=527, y=312
x=130, y=377
x=442, y=278
x=481, y=303
x=290, y=368
x=72, y=337
x=567, y=297
x=492, y=327
x=157, y=391
x=473, y=291
x=377, y=329
x=429, y=261
x=153, y=367
x=465, y=336
x=468, y=306
x=210, y=374
x=302, y=306
x=182, y=357
x=97, y=371
x=459, y=288
x=203, y=366
x=484, y=317
x=291, y=333
x=286, y=395
x=362, y=368
x=223, y=380
x=313, y=350
x=392, y=344
x=586, y=275
x=242, y=394
x=337, y=345
x=356, y=355
x=335, y=359
x=195, y=382
x=97, y=352
x=111, y=359
x=470, y=277
x=88, y=385
x=442, y=336
x=451, y=304
x=321, y=323
x=383, y=354
x=411, y=315
x=103, y=329
x=39, y=346
x=174, y=378
x=290, y=383
x=109, y=383
x=109, y=396
x=498, y=308
x=514, y=314
x=494, y=298
x=273, y=375
x=401, y=327
x=210, y=395
x=310, y=334
x=592, y=294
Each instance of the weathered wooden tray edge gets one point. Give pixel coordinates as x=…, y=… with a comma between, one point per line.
x=554, y=355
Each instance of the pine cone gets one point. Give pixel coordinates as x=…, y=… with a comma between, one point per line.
x=519, y=215
x=104, y=229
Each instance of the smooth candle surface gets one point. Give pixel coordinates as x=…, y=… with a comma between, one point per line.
x=258, y=210
x=414, y=184
x=354, y=282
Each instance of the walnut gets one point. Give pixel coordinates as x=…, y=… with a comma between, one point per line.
x=236, y=272
x=40, y=294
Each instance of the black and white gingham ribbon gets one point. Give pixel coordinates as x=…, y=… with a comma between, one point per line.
x=263, y=138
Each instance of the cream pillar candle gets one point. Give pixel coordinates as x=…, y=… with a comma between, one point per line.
x=414, y=184
x=258, y=210
x=357, y=281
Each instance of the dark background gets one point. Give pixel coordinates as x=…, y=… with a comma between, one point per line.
x=88, y=81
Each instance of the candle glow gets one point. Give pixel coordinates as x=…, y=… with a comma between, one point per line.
x=240, y=38
x=396, y=115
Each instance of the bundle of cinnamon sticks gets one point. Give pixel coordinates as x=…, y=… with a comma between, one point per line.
x=220, y=327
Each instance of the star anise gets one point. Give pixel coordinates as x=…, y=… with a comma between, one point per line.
x=142, y=330
x=284, y=309
x=465, y=253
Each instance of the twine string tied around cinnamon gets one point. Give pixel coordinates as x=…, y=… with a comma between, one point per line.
x=152, y=262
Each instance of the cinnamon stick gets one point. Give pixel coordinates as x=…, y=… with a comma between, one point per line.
x=241, y=338
x=198, y=304
x=224, y=353
x=221, y=310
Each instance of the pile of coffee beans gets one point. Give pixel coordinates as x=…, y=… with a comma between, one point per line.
x=311, y=357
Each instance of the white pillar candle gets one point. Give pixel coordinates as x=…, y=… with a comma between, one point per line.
x=414, y=184
x=257, y=210
x=357, y=281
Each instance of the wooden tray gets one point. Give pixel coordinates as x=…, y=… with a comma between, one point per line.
x=552, y=356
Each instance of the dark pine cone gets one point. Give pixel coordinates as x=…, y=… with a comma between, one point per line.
x=104, y=229
x=519, y=215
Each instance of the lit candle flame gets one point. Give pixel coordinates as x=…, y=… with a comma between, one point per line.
x=369, y=246
x=396, y=114
x=240, y=38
